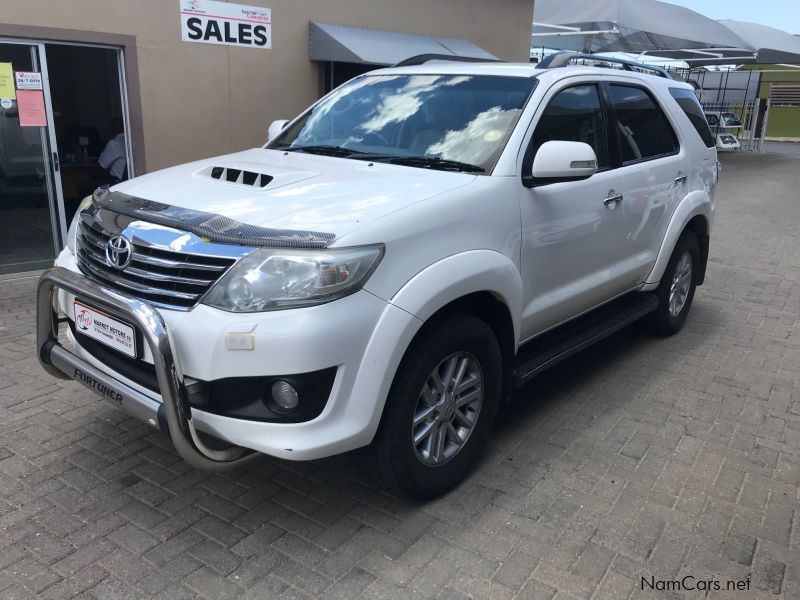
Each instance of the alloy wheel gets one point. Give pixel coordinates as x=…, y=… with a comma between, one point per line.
x=447, y=409
x=681, y=284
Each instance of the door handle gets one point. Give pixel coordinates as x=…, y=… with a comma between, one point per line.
x=680, y=180
x=613, y=200
x=56, y=164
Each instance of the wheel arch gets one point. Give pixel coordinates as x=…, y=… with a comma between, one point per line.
x=694, y=213
x=700, y=226
x=485, y=282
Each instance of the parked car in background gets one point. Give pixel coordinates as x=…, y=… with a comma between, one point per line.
x=725, y=127
x=390, y=266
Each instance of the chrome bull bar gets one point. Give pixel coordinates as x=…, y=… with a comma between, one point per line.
x=173, y=414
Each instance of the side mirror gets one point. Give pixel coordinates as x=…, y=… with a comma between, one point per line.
x=275, y=128
x=558, y=161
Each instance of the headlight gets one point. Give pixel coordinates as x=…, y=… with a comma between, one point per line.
x=276, y=279
x=73, y=226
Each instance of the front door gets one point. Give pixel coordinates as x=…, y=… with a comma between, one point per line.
x=29, y=219
x=569, y=254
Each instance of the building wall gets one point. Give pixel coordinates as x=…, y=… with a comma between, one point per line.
x=200, y=100
x=784, y=121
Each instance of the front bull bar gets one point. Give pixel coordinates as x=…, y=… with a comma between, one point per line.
x=173, y=414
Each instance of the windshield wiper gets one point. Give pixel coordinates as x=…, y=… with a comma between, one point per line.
x=432, y=162
x=323, y=149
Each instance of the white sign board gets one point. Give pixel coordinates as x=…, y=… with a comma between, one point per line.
x=99, y=326
x=209, y=22
x=28, y=80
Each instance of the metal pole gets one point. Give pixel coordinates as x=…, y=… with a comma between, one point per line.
x=764, y=127
x=752, y=144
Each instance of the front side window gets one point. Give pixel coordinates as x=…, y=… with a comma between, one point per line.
x=429, y=121
x=643, y=130
x=691, y=107
x=573, y=115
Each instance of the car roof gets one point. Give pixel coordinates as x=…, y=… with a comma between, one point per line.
x=442, y=67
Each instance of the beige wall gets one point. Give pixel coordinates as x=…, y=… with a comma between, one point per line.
x=199, y=100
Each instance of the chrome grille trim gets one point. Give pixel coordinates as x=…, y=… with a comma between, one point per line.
x=158, y=274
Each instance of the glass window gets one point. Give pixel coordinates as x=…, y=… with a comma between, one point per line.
x=691, y=106
x=573, y=115
x=464, y=118
x=642, y=127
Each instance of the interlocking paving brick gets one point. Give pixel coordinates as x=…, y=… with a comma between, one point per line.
x=640, y=457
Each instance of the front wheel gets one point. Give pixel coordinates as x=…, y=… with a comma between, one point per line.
x=440, y=409
x=676, y=290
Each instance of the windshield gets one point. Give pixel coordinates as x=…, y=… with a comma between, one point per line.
x=440, y=120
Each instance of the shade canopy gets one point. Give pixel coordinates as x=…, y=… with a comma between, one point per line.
x=628, y=26
x=369, y=46
x=771, y=46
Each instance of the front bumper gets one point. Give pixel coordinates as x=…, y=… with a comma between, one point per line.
x=361, y=335
x=172, y=414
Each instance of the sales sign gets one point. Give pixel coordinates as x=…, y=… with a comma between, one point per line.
x=209, y=22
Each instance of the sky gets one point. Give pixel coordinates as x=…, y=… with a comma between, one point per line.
x=782, y=14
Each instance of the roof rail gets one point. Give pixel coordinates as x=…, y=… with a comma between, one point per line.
x=421, y=59
x=562, y=59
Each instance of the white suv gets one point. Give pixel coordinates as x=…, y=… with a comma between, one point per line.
x=389, y=266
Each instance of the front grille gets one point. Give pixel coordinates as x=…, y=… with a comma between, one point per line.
x=163, y=277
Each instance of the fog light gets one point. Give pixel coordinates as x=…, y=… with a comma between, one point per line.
x=284, y=395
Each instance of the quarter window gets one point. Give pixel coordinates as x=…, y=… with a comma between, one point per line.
x=691, y=106
x=643, y=130
x=573, y=115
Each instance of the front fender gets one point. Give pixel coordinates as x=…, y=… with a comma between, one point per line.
x=694, y=204
x=459, y=275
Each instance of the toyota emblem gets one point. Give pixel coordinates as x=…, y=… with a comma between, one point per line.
x=118, y=252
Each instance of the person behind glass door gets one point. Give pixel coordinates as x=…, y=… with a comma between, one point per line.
x=114, y=157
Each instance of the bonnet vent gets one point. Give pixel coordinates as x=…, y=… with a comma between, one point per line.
x=239, y=176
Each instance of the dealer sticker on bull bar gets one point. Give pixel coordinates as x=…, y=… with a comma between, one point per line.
x=103, y=328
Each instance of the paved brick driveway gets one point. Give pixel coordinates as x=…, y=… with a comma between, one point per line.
x=660, y=458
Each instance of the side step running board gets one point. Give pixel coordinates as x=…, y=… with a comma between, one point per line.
x=552, y=347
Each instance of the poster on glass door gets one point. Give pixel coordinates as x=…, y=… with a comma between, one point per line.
x=30, y=105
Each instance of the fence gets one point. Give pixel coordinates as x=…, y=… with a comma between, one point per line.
x=752, y=116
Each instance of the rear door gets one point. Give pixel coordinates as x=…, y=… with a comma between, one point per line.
x=652, y=173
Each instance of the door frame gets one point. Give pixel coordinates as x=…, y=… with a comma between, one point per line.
x=57, y=212
x=53, y=175
x=130, y=71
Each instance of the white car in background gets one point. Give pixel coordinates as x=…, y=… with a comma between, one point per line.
x=724, y=127
x=395, y=262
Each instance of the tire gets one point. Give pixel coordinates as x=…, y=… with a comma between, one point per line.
x=666, y=320
x=425, y=470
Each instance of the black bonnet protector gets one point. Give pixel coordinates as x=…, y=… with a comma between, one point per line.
x=216, y=228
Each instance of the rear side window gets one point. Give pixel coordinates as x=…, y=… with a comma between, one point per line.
x=690, y=105
x=642, y=127
x=573, y=115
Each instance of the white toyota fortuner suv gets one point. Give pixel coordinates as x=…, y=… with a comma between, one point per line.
x=390, y=265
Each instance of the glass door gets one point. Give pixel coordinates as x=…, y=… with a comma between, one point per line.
x=30, y=223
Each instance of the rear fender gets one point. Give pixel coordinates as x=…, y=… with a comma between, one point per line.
x=694, y=204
